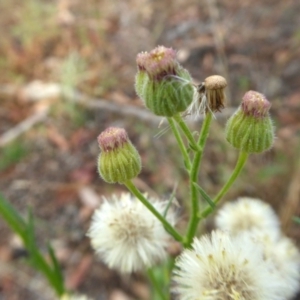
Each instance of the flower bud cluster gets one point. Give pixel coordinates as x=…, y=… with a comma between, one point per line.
x=237, y=261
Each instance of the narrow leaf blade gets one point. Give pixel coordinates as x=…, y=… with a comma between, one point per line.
x=56, y=267
x=12, y=217
x=205, y=196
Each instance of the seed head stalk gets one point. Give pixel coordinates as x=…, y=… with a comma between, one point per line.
x=243, y=156
x=194, y=220
x=169, y=228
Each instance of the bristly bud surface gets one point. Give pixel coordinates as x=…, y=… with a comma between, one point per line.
x=118, y=161
x=250, y=129
x=255, y=104
x=158, y=63
x=163, y=85
x=112, y=138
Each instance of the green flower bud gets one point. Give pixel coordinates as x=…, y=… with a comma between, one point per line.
x=163, y=85
x=118, y=161
x=250, y=129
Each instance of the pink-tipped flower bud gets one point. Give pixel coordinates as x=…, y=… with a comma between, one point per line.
x=255, y=104
x=163, y=85
x=250, y=129
x=160, y=62
x=118, y=161
x=112, y=138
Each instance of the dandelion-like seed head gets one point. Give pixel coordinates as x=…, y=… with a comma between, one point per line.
x=130, y=227
x=247, y=214
x=283, y=258
x=222, y=267
x=127, y=236
x=255, y=104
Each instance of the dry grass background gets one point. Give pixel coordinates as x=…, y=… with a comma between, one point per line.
x=87, y=51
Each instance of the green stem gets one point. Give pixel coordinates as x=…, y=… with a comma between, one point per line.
x=243, y=156
x=180, y=143
x=194, y=220
x=187, y=132
x=132, y=188
x=156, y=285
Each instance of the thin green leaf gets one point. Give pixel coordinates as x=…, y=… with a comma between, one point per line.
x=56, y=267
x=43, y=266
x=205, y=196
x=30, y=238
x=27, y=233
x=37, y=259
x=172, y=197
x=12, y=217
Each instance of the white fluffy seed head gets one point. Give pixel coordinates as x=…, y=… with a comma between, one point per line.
x=127, y=236
x=220, y=267
x=283, y=258
x=247, y=214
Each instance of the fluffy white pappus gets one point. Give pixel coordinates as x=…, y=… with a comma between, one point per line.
x=220, y=266
x=198, y=105
x=247, y=214
x=284, y=258
x=127, y=236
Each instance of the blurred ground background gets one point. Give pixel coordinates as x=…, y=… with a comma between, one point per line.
x=86, y=50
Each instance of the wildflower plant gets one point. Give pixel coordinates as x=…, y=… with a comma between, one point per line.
x=131, y=232
x=246, y=258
